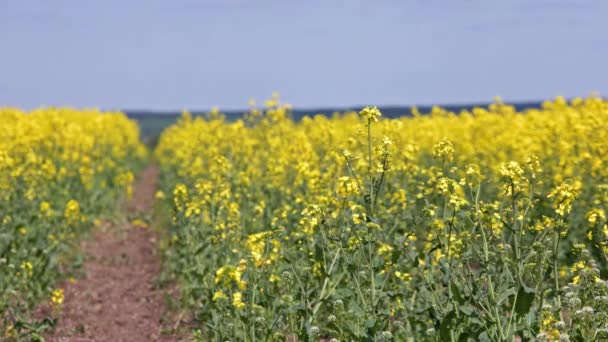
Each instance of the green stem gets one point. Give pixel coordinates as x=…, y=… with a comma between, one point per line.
x=556, y=271
x=369, y=166
x=487, y=261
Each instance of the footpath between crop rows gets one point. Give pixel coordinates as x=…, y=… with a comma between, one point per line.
x=117, y=299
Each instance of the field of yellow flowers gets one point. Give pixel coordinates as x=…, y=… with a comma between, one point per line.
x=484, y=225
x=60, y=169
x=487, y=224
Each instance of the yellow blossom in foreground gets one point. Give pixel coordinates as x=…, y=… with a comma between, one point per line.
x=72, y=211
x=27, y=267
x=370, y=113
x=564, y=196
x=139, y=223
x=237, y=300
x=159, y=195
x=219, y=296
x=57, y=297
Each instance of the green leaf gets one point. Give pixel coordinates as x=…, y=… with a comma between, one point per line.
x=505, y=295
x=464, y=337
x=525, y=298
x=466, y=309
x=456, y=293
x=446, y=326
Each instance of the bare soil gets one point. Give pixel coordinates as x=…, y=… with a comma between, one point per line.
x=117, y=299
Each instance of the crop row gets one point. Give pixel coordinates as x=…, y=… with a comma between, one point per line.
x=482, y=225
x=60, y=170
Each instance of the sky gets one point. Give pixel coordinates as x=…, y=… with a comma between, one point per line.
x=187, y=54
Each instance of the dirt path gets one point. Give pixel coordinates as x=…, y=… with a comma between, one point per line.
x=116, y=300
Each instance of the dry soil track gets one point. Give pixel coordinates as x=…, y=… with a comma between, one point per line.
x=116, y=300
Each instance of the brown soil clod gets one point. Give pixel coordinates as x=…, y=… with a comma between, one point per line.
x=117, y=299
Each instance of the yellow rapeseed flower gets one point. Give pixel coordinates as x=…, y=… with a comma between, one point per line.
x=57, y=297
x=371, y=114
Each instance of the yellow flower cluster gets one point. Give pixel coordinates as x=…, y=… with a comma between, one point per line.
x=57, y=297
x=371, y=114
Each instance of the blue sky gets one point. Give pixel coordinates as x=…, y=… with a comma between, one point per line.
x=187, y=54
